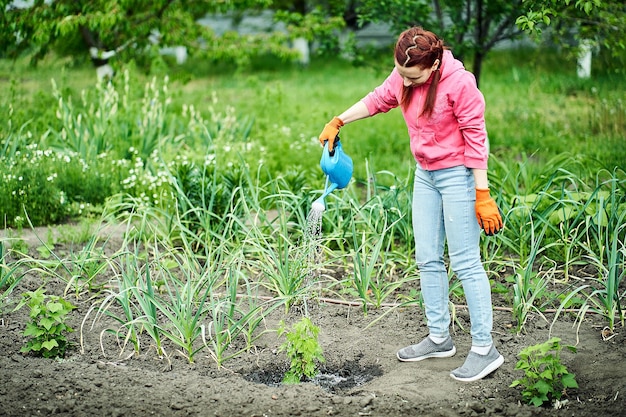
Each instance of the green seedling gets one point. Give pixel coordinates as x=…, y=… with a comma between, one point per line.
x=47, y=327
x=546, y=378
x=303, y=350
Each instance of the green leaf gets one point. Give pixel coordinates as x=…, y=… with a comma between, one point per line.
x=543, y=387
x=35, y=311
x=33, y=330
x=50, y=344
x=55, y=307
x=546, y=374
x=47, y=323
x=538, y=401
x=569, y=381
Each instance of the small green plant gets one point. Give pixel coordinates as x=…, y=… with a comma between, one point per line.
x=546, y=378
x=47, y=327
x=303, y=350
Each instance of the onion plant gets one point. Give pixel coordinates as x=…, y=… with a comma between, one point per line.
x=284, y=264
x=185, y=302
x=143, y=293
x=204, y=198
x=85, y=134
x=528, y=286
x=527, y=209
x=11, y=273
x=607, y=251
x=229, y=321
x=120, y=305
x=84, y=267
x=79, y=270
x=127, y=329
x=370, y=243
x=396, y=201
x=279, y=248
x=13, y=141
x=566, y=225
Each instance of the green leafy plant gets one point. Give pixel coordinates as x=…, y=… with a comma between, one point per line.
x=47, y=326
x=546, y=378
x=303, y=350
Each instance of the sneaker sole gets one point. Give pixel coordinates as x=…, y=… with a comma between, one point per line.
x=446, y=354
x=489, y=369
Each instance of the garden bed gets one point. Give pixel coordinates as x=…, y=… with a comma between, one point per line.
x=361, y=375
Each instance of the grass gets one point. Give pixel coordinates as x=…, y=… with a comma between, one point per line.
x=535, y=106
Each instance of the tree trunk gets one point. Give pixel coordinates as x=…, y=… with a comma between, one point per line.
x=584, y=59
x=478, y=65
x=99, y=58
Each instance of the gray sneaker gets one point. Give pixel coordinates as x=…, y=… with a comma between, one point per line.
x=427, y=349
x=478, y=366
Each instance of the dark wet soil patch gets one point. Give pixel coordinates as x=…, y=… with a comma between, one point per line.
x=332, y=378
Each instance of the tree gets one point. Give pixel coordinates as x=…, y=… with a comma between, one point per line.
x=133, y=28
x=313, y=20
x=470, y=27
x=598, y=23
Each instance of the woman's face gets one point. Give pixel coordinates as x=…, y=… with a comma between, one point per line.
x=414, y=76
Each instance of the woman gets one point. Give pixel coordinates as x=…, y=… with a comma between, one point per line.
x=444, y=114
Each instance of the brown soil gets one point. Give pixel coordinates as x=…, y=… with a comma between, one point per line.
x=361, y=376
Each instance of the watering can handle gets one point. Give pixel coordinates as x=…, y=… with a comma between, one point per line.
x=335, y=143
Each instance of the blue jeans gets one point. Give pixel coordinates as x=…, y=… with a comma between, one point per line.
x=443, y=210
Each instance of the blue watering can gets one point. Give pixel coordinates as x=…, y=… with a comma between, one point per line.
x=338, y=169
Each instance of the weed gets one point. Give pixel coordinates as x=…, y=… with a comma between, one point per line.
x=47, y=326
x=546, y=378
x=303, y=350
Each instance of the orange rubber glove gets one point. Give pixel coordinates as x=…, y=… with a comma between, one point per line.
x=487, y=213
x=330, y=132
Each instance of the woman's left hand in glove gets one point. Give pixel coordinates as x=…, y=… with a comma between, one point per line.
x=487, y=213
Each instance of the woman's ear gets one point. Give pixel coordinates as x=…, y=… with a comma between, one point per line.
x=436, y=65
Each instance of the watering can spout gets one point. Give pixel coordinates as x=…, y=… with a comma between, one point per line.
x=318, y=205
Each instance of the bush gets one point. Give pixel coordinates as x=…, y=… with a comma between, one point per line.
x=546, y=378
x=47, y=327
x=27, y=188
x=49, y=186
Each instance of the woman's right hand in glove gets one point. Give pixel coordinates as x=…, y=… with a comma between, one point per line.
x=330, y=132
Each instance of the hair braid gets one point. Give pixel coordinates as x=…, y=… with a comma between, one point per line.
x=421, y=48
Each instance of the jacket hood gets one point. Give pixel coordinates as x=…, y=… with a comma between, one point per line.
x=449, y=65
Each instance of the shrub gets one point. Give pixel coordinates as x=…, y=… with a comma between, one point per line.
x=45, y=184
x=47, y=327
x=303, y=350
x=27, y=183
x=546, y=378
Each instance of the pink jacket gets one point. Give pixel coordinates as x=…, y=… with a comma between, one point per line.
x=455, y=133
